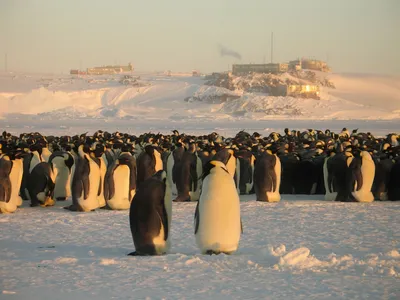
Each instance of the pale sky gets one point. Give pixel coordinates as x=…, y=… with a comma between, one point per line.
x=360, y=36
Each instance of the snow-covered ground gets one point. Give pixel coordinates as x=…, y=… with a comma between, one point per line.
x=70, y=104
x=300, y=248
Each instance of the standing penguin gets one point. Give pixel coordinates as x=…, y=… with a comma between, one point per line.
x=330, y=191
x=188, y=171
x=62, y=162
x=394, y=182
x=172, y=164
x=98, y=151
x=148, y=163
x=267, y=177
x=10, y=181
x=245, y=160
x=85, y=183
x=120, y=182
x=362, y=170
x=150, y=216
x=217, y=217
x=337, y=187
x=40, y=185
x=30, y=160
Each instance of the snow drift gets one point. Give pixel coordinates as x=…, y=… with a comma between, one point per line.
x=162, y=97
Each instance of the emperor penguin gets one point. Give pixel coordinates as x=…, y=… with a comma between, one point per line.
x=337, y=186
x=383, y=168
x=362, y=170
x=62, y=163
x=330, y=193
x=10, y=181
x=394, y=182
x=150, y=216
x=120, y=182
x=108, y=156
x=227, y=156
x=172, y=165
x=188, y=175
x=148, y=163
x=217, y=223
x=85, y=182
x=98, y=150
x=246, y=161
x=40, y=185
x=45, y=153
x=31, y=158
x=267, y=177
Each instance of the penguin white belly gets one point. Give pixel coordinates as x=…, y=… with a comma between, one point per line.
x=168, y=208
x=274, y=195
x=159, y=163
x=368, y=174
x=91, y=202
x=231, y=165
x=249, y=185
x=170, y=166
x=103, y=170
x=8, y=207
x=34, y=161
x=19, y=169
x=11, y=206
x=71, y=176
x=62, y=187
x=219, y=214
x=46, y=154
x=160, y=244
x=120, y=200
x=329, y=196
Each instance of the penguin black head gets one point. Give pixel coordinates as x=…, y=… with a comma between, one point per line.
x=208, y=166
x=161, y=175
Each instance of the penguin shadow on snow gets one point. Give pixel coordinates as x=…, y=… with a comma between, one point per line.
x=52, y=251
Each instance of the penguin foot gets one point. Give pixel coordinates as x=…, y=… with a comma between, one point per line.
x=180, y=200
x=134, y=254
x=73, y=207
x=106, y=207
x=4, y=211
x=61, y=198
x=211, y=252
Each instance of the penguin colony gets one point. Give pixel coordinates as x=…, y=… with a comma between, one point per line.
x=146, y=173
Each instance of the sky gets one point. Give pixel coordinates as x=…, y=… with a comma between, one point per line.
x=354, y=36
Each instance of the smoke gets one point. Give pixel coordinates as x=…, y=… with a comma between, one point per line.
x=228, y=52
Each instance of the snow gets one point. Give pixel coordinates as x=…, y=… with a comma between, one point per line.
x=302, y=247
x=39, y=101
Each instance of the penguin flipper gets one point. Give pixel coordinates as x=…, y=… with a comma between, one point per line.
x=86, y=187
x=109, y=184
x=7, y=191
x=193, y=174
x=196, y=218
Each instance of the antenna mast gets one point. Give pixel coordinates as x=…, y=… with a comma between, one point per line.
x=272, y=47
